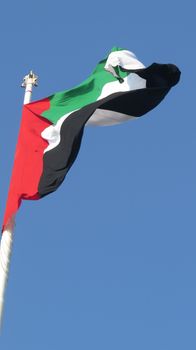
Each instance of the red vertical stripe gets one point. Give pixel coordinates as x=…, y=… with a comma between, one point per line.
x=28, y=162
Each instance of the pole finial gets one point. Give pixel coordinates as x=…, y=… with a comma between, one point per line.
x=30, y=78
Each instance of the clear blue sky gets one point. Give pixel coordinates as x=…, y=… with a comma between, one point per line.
x=108, y=261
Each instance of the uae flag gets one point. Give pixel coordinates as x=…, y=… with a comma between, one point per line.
x=120, y=88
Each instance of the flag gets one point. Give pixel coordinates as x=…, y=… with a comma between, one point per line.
x=120, y=88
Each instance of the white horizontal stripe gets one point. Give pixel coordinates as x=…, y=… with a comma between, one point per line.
x=104, y=117
x=131, y=82
x=52, y=133
x=125, y=59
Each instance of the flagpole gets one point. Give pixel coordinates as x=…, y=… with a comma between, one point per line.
x=6, y=244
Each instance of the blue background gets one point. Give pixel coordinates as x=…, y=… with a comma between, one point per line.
x=108, y=261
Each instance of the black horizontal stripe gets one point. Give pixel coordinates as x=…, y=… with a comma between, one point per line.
x=135, y=103
x=57, y=161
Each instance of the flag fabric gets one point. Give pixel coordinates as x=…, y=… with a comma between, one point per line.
x=120, y=88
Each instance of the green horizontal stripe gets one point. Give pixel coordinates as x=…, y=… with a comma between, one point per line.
x=87, y=92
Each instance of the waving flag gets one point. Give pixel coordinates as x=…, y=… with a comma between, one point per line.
x=120, y=88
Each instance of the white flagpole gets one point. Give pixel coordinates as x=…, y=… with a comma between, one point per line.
x=29, y=81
